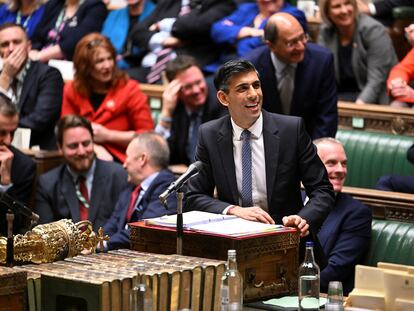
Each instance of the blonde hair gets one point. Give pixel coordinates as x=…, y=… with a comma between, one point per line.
x=324, y=9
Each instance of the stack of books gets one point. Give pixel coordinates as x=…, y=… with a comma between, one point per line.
x=103, y=281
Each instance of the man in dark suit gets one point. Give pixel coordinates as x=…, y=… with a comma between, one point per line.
x=398, y=183
x=188, y=101
x=35, y=88
x=84, y=187
x=146, y=164
x=297, y=77
x=17, y=171
x=346, y=232
x=182, y=26
x=257, y=176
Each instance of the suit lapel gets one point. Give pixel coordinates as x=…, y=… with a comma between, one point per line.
x=330, y=223
x=299, y=91
x=225, y=144
x=27, y=85
x=269, y=83
x=69, y=193
x=271, y=146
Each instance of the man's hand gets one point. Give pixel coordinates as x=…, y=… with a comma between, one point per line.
x=13, y=63
x=100, y=133
x=6, y=160
x=170, y=98
x=409, y=34
x=297, y=222
x=254, y=213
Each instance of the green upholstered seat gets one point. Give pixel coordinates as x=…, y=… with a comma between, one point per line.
x=371, y=155
x=391, y=241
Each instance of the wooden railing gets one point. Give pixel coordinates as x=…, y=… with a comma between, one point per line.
x=376, y=118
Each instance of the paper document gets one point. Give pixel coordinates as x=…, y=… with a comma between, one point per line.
x=215, y=223
x=189, y=219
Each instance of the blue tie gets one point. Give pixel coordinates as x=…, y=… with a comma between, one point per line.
x=246, y=192
x=195, y=121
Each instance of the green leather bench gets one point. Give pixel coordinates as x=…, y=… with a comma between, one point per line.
x=371, y=155
x=391, y=241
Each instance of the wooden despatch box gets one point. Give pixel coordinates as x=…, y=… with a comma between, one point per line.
x=13, y=290
x=268, y=262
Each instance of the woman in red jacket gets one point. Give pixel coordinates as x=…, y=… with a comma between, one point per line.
x=107, y=97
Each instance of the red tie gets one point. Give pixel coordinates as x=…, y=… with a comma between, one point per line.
x=134, y=197
x=84, y=213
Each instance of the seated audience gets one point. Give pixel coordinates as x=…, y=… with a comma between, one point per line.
x=26, y=13
x=63, y=24
x=242, y=31
x=346, y=232
x=402, y=75
x=84, y=187
x=297, y=77
x=398, y=183
x=382, y=9
x=359, y=40
x=105, y=95
x=117, y=28
x=17, y=171
x=256, y=160
x=188, y=100
x=35, y=88
x=177, y=27
x=146, y=164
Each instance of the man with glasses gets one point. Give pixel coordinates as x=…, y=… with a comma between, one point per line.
x=188, y=101
x=297, y=77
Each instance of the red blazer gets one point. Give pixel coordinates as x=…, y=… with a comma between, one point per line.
x=124, y=108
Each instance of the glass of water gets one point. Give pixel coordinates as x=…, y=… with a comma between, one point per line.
x=335, y=297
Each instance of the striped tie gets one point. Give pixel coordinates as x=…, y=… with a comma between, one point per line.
x=246, y=193
x=83, y=197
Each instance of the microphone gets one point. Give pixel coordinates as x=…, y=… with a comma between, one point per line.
x=192, y=170
x=17, y=207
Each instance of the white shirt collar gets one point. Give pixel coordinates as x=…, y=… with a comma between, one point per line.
x=256, y=129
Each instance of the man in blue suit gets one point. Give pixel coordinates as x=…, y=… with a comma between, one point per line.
x=146, y=163
x=345, y=234
x=297, y=77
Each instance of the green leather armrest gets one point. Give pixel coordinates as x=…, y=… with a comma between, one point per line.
x=403, y=12
x=391, y=241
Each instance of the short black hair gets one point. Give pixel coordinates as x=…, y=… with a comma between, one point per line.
x=71, y=121
x=179, y=64
x=11, y=25
x=230, y=69
x=7, y=108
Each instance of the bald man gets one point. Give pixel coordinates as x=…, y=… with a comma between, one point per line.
x=297, y=77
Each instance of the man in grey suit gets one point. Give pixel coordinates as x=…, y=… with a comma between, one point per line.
x=84, y=187
x=280, y=153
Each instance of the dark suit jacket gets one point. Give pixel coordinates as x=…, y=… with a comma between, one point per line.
x=384, y=7
x=290, y=158
x=398, y=183
x=192, y=28
x=56, y=195
x=150, y=203
x=40, y=103
x=344, y=237
x=314, y=97
x=23, y=173
x=178, y=140
x=88, y=18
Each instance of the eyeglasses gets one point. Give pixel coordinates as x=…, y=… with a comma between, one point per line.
x=303, y=38
x=94, y=43
x=189, y=86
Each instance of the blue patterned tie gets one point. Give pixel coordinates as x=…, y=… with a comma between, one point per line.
x=246, y=192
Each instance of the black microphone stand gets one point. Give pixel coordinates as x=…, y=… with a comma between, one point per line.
x=180, y=223
x=10, y=239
